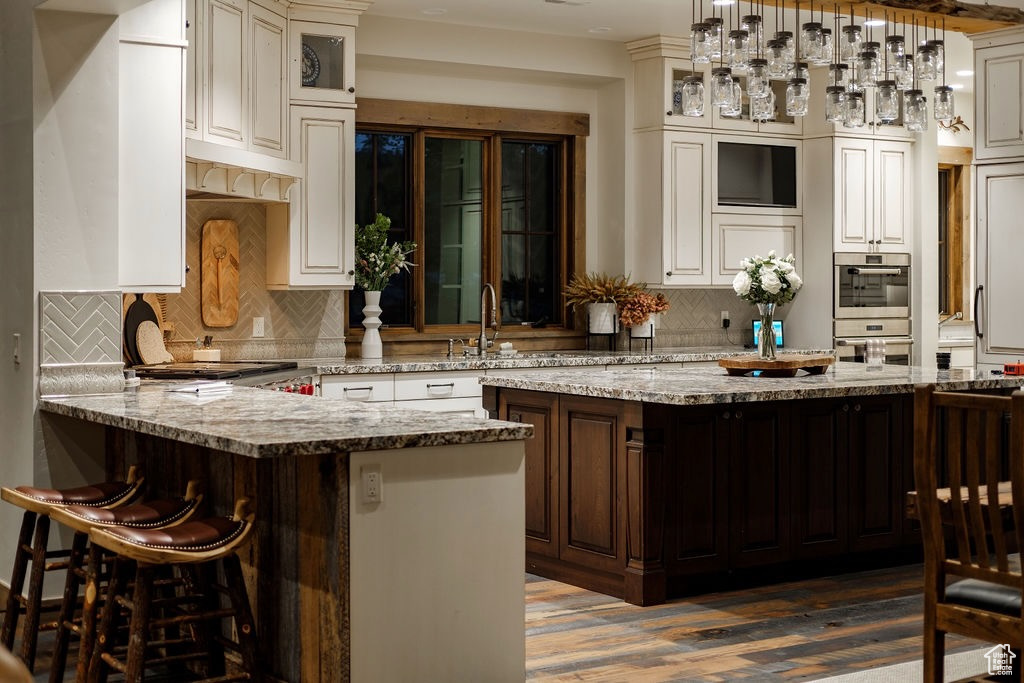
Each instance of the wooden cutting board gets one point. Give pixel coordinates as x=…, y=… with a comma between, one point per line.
x=219, y=273
x=784, y=365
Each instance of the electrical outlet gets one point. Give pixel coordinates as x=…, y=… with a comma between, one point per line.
x=725, y=320
x=373, y=484
x=258, y=328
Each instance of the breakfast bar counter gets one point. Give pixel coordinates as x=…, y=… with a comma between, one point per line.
x=646, y=483
x=425, y=583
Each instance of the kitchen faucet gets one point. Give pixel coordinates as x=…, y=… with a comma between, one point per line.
x=954, y=316
x=483, y=342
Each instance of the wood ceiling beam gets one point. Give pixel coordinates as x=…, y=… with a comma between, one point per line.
x=960, y=16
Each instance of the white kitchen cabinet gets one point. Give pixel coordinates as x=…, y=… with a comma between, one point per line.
x=368, y=388
x=226, y=97
x=311, y=240
x=672, y=239
x=999, y=99
x=322, y=62
x=816, y=125
x=999, y=277
x=268, y=81
x=738, y=236
x=873, y=200
x=445, y=392
x=151, y=155
x=193, y=70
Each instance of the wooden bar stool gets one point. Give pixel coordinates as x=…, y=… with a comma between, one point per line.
x=38, y=504
x=193, y=549
x=145, y=515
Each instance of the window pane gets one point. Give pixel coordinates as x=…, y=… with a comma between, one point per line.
x=453, y=230
x=530, y=222
x=383, y=186
x=943, y=242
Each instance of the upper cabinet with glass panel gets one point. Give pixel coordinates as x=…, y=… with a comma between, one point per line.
x=322, y=63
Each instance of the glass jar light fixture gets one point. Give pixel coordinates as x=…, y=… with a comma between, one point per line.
x=714, y=35
x=854, y=115
x=887, y=101
x=692, y=102
x=867, y=69
x=733, y=106
x=926, y=62
x=835, y=103
x=944, y=109
x=789, y=45
x=762, y=108
x=904, y=74
x=825, y=54
x=940, y=53
x=754, y=26
x=700, y=43
x=737, y=49
x=758, y=83
x=721, y=86
x=778, y=65
x=895, y=48
x=800, y=70
x=810, y=41
x=839, y=74
x=797, y=95
x=850, y=46
x=915, y=111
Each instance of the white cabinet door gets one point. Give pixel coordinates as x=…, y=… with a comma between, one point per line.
x=322, y=62
x=893, y=195
x=193, y=69
x=268, y=78
x=999, y=73
x=313, y=247
x=739, y=236
x=686, y=209
x=999, y=276
x=373, y=388
x=226, y=96
x=853, y=208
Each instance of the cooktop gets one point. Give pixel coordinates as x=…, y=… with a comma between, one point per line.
x=212, y=370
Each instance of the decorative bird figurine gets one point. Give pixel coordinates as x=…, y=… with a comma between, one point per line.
x=955, y=126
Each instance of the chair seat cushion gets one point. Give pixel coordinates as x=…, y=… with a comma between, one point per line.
x=151, y=513
x=199, y=535
x=93, y=494
x=985, y=595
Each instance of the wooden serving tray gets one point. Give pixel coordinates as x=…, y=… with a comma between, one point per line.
x=784, y=365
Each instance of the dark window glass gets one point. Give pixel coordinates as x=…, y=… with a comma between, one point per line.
x=383, y=183
x=530, y=224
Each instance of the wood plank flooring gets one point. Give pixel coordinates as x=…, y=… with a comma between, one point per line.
x=801, y=630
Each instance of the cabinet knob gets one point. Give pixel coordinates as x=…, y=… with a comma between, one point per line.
x=726, y=415
x=846, y=407
x=856, y=408
x=515, y=417
x=739, y=414
x=351, y=272
x=668, y=113
x=668, y=273
x=188, y=268
x=188, y=24
x=351, y=88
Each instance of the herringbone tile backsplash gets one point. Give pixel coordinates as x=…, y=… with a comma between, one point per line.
x=695, y=318
x=292, y=319
x=79, y=327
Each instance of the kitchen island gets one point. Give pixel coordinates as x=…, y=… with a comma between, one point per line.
x=426, y=584
x=645, y=483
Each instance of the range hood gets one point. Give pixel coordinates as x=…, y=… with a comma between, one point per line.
x=214, y=171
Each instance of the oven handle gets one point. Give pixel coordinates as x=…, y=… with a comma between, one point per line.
x=861, y=341
x=977, y=298
x=874, y=271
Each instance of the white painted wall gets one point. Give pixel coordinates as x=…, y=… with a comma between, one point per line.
x=432, y=62
x=433, y=598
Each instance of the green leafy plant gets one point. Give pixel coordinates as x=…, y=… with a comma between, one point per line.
x=637, y=309
x=376, y=260
x=599, y=288
x=770, y=280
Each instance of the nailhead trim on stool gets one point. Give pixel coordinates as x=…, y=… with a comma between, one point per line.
x=38, y=504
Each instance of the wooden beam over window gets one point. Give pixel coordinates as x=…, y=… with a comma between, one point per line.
x=468, y=117
x=960, y=16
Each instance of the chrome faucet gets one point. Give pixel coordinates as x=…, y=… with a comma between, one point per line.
x=483, y=343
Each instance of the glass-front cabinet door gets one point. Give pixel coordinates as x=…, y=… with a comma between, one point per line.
x=322, y=62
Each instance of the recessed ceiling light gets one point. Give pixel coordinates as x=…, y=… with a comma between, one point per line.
x=964, y=73
x=434, y=11
x=956, y=86
x=599, y=29
x=875, y=22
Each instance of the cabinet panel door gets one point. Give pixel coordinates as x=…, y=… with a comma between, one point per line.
x=687, y=196
x=853, y=211
x=893, y=194
x=589, y=480
x=227, y=96
x=759, y=484
x=735, y=237
x=193, y=69
x=541, y=411
x=268, y=75
x=1000, y=108
x=876, y=438
x=819, y=479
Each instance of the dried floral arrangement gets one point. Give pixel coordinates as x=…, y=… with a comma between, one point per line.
x=599, y=288
x=637, y=309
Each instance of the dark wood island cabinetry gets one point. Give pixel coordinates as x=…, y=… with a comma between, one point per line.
x=645, y=484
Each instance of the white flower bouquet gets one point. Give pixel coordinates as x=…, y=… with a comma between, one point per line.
x=769, y=280
x=377, y=260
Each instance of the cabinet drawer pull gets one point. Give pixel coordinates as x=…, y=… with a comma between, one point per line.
x=348, y=389
x=739, y=414
x=846, y=407
x=447, y=387
x=856, y=408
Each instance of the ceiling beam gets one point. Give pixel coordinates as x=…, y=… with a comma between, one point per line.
x=960, y=16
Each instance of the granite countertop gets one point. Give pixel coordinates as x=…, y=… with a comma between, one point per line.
x=711, y=385
x=263, y=424
x=526, y=359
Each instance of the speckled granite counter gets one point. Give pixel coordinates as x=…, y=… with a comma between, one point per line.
x=526, y=359
x=263, y=424
x=711, y=385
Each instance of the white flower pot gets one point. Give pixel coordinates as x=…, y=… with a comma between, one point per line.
x=602, y=318
x=645, y=331
x=371, y=347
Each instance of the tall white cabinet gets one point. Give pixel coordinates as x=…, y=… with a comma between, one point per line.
x=873, y=201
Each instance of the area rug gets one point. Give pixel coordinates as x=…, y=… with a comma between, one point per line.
x=958, y=666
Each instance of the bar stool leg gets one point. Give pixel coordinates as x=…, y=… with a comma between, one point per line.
x=21, y=557
x=138, y=631
x=30, y=633
x=90, y=604
x=108, y=622
x=67, y=607
x=244, y=623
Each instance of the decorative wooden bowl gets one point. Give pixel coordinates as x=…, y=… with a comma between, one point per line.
x=784, y=365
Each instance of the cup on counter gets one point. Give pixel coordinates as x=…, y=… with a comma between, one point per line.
x=874, y=351
x=942, y=360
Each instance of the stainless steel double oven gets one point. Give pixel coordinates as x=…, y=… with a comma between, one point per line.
x=872, y=301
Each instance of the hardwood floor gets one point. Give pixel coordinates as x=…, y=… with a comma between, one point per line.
x=802, y=630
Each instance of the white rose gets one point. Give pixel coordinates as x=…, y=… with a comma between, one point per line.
x=771, y=253
x=745, y=263
x=741, y=283
x=770, y=282
x=790, y=258
x=794, y=281
x=784, y=267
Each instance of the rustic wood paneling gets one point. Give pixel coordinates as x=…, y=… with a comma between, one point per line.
x=469, y=117
x=541, y=466
x=819, y=481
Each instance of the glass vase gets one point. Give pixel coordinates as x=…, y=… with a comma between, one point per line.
x=766, y=335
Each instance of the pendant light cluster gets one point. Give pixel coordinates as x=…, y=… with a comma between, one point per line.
x=855, y=63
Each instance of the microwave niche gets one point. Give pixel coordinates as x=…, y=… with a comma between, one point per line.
x=756, y=175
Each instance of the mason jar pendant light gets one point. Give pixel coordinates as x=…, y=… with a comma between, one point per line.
x=915, y=111
x=737, y=49
x=754, y=26
x=925, y=62
x=758, y=82
x=762, y=108
x=721, y=86
x=797, y=90
x=854, y=116
x=714, y=35
x=700, y=43
x=825, y=54
x=887, y=101
x=839, y=74
x=810, y=40
x=944, y=109
x=867, y=67
x=733, y=105
x=835, y=103
x=850, y=45
x=692, y=96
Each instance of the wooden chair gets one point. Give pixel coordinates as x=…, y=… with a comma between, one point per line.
x=969, y=525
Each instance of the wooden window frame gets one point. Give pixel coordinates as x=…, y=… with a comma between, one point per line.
x=491, y=124
x=957, y=161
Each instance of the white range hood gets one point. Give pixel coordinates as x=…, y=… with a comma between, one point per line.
x=218, y=171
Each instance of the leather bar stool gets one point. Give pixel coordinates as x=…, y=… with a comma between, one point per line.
x=193, y=549
x=38, y=504
x=151, y=514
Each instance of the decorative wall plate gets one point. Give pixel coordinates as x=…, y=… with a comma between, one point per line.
x=310, y=65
